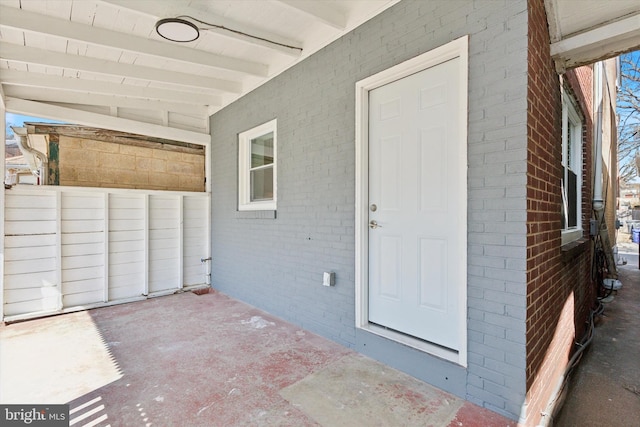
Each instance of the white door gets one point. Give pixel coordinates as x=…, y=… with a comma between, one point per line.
x=417, y=188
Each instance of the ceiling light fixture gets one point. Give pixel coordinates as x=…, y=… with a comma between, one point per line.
x=177, y=30
x=180, y=30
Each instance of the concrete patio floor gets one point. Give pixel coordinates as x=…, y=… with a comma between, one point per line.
x=209, y=360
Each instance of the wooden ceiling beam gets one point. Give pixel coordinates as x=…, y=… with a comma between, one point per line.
x=324, y=12
x=54, y=95
x=159, y=10
x=70, y=115
x=54, y=27
x=114, y=136
x=46, y=81
x=597, y=43
x=31, y=55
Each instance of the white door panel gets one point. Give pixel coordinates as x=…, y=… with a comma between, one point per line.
x=414, y=169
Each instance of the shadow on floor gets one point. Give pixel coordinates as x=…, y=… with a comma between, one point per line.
x=209, y=360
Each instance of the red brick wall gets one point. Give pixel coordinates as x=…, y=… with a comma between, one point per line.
x=560, y=292
x=577, y=268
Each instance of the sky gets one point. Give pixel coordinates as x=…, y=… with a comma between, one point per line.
x=635, y=55
x=19, y=119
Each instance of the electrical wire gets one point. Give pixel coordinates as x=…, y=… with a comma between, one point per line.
x=598, y=269
x=555, y=405
x=222, y=27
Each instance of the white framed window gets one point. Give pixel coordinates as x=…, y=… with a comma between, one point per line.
x=257, y=184
x=571, y=183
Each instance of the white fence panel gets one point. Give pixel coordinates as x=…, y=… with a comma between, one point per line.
x=30, y=278
x=195, y=226
x=68, y=247
x=82, y=223
x=164, y=243
x=127, y=235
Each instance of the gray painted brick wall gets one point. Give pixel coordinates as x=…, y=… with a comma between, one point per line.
x=277, y=264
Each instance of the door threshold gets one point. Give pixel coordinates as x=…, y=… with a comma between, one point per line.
x=417, y=343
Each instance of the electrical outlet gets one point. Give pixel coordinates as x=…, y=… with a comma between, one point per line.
x=328, y=278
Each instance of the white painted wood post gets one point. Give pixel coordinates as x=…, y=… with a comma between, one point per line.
x=106, y=248
x=146, y=244
x=59, y=248
x=2, y=204
x=207, y=168
x=181, y=242
x=208, y=264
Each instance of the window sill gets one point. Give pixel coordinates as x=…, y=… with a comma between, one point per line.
x=573, y=249
x=267, y=214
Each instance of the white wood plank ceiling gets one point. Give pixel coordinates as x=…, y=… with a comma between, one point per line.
x=101, y=62
x=584, y=31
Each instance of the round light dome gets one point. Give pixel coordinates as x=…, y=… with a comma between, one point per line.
x=177, y=30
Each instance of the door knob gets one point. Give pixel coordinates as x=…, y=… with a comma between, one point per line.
x=374, y=224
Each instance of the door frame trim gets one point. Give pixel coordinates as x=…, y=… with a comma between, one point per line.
x=455, y=49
